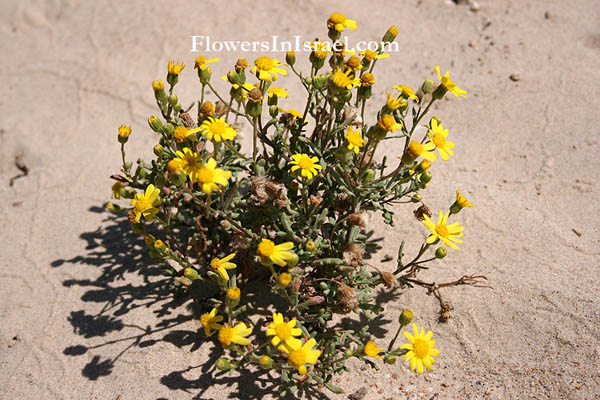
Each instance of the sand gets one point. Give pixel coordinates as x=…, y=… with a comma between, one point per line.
x=85, y=316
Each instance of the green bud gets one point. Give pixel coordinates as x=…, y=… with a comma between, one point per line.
x=290, y=57
x=427, y=86
x=273, y=111
x=158, y=149
x=272, y=101
x=349, y=353
x=253, y=109
x=173, y=100
x=159, y=180
x=155, y=123
x=128, y=165
x=405, y=317
x=316, y=61
x=455, y=208
x=365, y=92
x=204, y=75
x=191, y=274
x=168, y=129
x=416, y=198
x=390, y=359
x=425, y=177
x=177, y=107
x=224, y=364
x=368, y=175
x=113, y=207
x=233, y=77
x=439, y=92
x=266, y=362
x=308, y=80
x=334, y=34
x=390, y=34
x=441, y=252
x=292, y=262
x=320, y=81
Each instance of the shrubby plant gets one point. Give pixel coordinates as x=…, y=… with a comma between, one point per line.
x=294, y=210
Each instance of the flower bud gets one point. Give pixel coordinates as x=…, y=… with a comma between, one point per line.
x=349, y=353
x=416, y=198
x=204, y=75
x=123, y=134
x=368, y=175
x=320, y=81
x=177, y=107
x=425, y=177
x=173, y=100
x=233, y=296
x=310, y=246
x=273, y=111
x=158, y=149
x=168, y=129
x=441, y=252
x=293, y=261
x=191, y=274
x=266, y=362
x=155, y=123
x=284, y=280
x=389, y=359
x=224, y=364
x=391, y=34
x=405, y=317
x=427, y=86
x=290, y=57
x=113, y=207
x=233, y=77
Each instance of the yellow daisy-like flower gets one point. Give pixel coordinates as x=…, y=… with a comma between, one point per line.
x=116, y=190
x=209, y=176
x=320, y=49
x=355, y=140
x=372, y=350
x=416, y=149
x=201, y=61
x=462, y=200
x=189, y=162
x=371, y=55
x=221, y=265
x=124, y=131
x=217, y=129
x=267, y=69
x=279, y=254
x=210, y=321
x=388, y=123
x=406, y=92
x=368, y=79
x=237, y=335
x=285, y=279
x=175, y=68
x=282, y=331
x=344, y=80
x=339, y=22
x=449, y=84
x=307, y=165
x=300, y=354
x=145, y=204
x=421, y=350
x=394, y=103
x=446, y=233
x=437, y=135
x=277, y=92
x=181, y=133
x=234, y=293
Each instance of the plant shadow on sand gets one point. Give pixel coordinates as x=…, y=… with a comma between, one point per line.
x=129, y=279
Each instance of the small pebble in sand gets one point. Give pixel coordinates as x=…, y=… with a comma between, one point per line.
x=359, y=394
x=473, y=43
x=514, y=77
x=547, y=15
x=474, y=6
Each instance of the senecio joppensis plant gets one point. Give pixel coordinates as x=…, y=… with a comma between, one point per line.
x=292, y=212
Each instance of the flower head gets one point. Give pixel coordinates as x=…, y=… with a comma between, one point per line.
x=209, y=176
x=394, y=103
x=158, y=85
x=300, y=354
x=282, y=331
x=345, y=80
x=209, y=321
x=368, y=79
x=416, y=149
x=320, y=49
x=279, y=254
x=124, y=131
x=449, y=84
x=371, y=55
x=267, y=69
x=201, y=61
x=372, y=350
x=221, y=265
x=236, y=334
x=406, y=92
x=145, y=203
x=175, y=68
x=353, y=63
x=277, y=92
x=217, y=129
x=285, y=279
x=462, y=200
x=307, y=165
x=234, y=293
x=181, y=133
x=339, y=22
x=446, y=233
x=355, y=140
x=388, y=123
x=421, y=350
x=437, y=135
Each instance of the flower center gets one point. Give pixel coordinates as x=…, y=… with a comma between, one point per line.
x=306, y=163
x=439, y=140
x=266, y=248
x=442, y=230
x=142, y=205
x=297, y=357
x=218, y=128
x=215, y=263
x=190, y=162
x=225, y=335
x=264, y=63
x=180, y=133
x=283, y=331
x=421, y=348
x=205, y=320
x=206, y=175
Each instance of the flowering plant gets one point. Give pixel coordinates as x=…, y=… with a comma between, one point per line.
x=293, y=211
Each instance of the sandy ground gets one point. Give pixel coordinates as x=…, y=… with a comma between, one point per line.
x=83, y=313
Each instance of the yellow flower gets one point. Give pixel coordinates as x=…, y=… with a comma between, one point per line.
x=158, y=85
x=234, y=293
x=116, y=190
x=416, y=149
x=285, y=279
x=372, y=350
x=446, y=233
x=371, y=55
x=353, y=63
x=282, y=331
x=300, y=354
x=278, y=254
x=209, y=321
x=320, y=49
x=277, y=92
x=144, y=204
x=181, y=133
x=406, y=92
x=266, y=69
x=388, y=123
x=124, y=131
x=421, y=351
x=201, y=61
x=174, y=166
x=355, y=140
x=209, y=176
x=307, y=165
x=394, y=104
x=217, y=129
x=368, y=79
x=339, y=22
x=175, y=68
x=462, y=200
x=437, y=134
x=189, y=162
x=237, y=334
x=344, y=80
x=448, y=84
x=221, y=265
x=246, y=86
